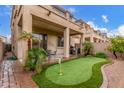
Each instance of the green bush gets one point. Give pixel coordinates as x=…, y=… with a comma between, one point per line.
x=12, y=58
x=35, y=59
x=101, y=55
x=87, y=48
x=29, y=66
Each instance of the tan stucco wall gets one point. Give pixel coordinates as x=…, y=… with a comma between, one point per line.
x=42, y=12
x=52, y=43
x=100, y=47
x=60, y=51
x=93, y=35
x=1, y=50
x=74, y=40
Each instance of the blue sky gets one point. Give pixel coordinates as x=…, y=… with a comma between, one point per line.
x=5, y=13
x=107, y=18
x=114, y=14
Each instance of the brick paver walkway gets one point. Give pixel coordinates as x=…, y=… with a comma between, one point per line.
x=115, y=74
x=13, y=76
x=7, y=78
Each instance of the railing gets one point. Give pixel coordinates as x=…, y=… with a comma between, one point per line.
x=58, y=14
x=62, y=12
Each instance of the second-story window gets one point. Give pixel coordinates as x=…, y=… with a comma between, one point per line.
x=60, y=41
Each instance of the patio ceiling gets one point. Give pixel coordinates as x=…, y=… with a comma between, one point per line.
x=43, y=26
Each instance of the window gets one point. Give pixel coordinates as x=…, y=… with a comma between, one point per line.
x=41, y=40
x=13, y=48
x=87, y=39
x=60, y=41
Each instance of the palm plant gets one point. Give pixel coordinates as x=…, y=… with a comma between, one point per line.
x=28, y=37
x=36, y=57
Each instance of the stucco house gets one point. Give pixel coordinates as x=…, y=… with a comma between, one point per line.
x=2, y=46
x=56, y=27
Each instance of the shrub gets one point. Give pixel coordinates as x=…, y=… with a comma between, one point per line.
x=87, y=48
x=12, y=58
x=30, y=66
x=101, y=55
x=35, y=58
x=117, y=46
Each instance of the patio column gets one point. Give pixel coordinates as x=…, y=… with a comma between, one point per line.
x=91, y=39
x=97, y=40
x=27, y=27
x=81, y=42
x=66, y=42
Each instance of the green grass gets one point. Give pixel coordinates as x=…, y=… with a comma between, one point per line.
x=81, y=72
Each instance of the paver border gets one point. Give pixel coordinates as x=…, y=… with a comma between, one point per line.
x=105, y=79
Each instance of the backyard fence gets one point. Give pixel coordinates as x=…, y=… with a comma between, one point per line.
x=103, y=47
x=1, y=50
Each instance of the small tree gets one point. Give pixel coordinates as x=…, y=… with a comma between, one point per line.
x=117, y=46
x=87, y=48
x=28, y=37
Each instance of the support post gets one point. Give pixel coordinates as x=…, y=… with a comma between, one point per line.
x=81, y=42
x=27, y=27
x=66, y=42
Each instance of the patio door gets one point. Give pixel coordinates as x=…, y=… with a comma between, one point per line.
x=42, y=41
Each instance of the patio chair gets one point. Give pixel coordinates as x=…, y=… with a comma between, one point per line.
x=51, y=54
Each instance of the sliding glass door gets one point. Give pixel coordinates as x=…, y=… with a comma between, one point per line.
x=40, y=41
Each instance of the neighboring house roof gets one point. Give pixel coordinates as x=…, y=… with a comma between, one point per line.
x=3, y=39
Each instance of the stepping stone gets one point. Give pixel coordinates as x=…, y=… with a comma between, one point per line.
x=0, y=83
x=12, y=85
x=6, y=84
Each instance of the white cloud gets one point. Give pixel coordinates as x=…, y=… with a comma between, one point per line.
x=112, y=33
x=120, y=30
x=72, y=10
x=8, y=39
x=91, y=23
x=117, y=32
x=105, y=18
x=95, y=27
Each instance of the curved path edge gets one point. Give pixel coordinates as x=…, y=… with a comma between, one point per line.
x=105, y=79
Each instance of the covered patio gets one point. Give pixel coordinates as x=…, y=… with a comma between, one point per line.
x=55, y=38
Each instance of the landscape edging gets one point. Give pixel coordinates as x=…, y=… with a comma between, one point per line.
x=105, y=79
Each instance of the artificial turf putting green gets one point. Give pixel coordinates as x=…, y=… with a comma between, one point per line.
x=75, y=73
